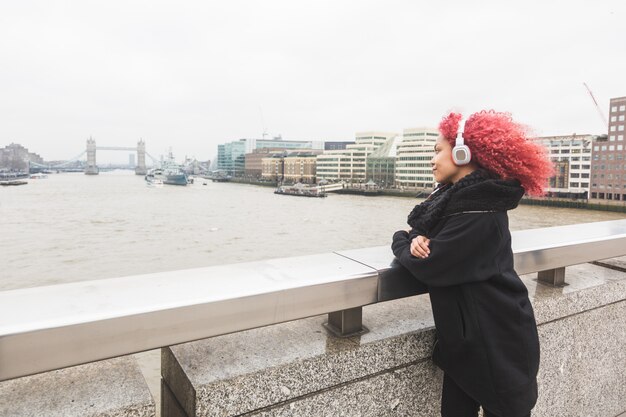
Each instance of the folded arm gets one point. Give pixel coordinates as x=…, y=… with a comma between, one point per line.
x=465, y=250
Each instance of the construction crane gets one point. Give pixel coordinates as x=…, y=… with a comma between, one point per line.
x=600, y=112
x=263, y=123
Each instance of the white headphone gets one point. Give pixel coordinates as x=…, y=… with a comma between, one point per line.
x=461, y=154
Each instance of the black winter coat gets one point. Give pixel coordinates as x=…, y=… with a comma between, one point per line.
x=486, y=331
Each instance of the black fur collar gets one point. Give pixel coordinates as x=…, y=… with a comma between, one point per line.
x=478, y=191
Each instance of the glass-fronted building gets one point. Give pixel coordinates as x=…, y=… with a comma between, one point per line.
x=413, y=155
x=381, y=164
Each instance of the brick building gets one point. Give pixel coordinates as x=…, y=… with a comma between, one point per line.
x=608, y=169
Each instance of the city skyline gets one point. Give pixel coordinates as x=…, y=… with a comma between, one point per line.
x=194, y=76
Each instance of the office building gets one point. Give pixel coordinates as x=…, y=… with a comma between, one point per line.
x=413, y=155
x=608, y=169
x=231, y=155
x=571, y=157
x=349, y=164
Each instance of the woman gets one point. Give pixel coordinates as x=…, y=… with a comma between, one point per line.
x=459, y=246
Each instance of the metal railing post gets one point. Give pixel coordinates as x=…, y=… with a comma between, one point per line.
x=554, y=277
x=346, y=323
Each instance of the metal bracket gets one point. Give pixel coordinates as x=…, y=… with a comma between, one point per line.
x=346, y=323
x=553, y=277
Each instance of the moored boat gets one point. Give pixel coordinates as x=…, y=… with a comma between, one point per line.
x=300, y=190
x=152, y=181
x=13, y=178
x=169, y=173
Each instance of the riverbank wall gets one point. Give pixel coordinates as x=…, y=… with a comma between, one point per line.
x=546, y=202
x=297, y=369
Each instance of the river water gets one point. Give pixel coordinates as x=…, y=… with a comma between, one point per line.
x=73, y=227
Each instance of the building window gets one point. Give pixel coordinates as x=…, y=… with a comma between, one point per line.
x=622, y=107
x=620, y=147
x=613, y=118
x=596, y=148
x=612, y=148
x=614, y=108
x=621, y=118
x=620, y=137
x=620, y=128
x=573, y=184
x=612, y=138
x=612, y=129
x=594, y=195
x=604, y=146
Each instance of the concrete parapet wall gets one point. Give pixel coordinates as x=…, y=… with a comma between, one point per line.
x=297, y=369
x=111, y=388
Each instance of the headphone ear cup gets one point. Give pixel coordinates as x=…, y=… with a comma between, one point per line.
x=461, y=155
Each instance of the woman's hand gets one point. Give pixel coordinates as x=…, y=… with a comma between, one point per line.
x=419, y=247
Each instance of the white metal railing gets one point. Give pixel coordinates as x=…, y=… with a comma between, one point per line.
x=52, y=327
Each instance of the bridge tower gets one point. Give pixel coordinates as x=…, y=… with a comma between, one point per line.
x=140, y=169
x=91, y=168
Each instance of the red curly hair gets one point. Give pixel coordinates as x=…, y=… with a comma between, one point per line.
x=501, y=146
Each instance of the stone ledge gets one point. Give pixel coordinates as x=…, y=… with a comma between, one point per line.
x=583, y=365
x=589, y=286
x=111, y=388
x=245, y=371
x=296, y=361
x=372, y=397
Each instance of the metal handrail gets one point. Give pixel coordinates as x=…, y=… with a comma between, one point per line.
x=53, y=327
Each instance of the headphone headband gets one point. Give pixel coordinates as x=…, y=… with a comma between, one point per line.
x=459, y=134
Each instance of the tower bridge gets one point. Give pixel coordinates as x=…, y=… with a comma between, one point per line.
x=92, y=169
x=89, y=166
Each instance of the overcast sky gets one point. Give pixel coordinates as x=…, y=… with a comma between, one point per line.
x=194, y=74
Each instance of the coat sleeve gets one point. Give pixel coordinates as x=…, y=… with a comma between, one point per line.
x=466, y=250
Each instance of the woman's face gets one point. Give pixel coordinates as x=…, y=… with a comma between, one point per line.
x=444, y=168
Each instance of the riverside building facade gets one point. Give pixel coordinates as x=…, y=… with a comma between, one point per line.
x=350, y=164
x=254, y=161
x=608, y=171
x=231, y=155
x=571, y=157
x=273, y=167
x=413, y=155
x=301, y=167
x=15, y=157
x=381, y=164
